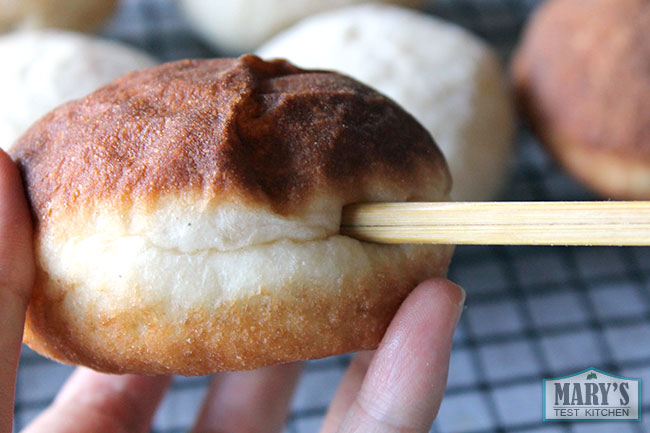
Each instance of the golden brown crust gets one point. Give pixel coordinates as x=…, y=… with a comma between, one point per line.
x=266, y=133
x=302, y=323
x=581, y=75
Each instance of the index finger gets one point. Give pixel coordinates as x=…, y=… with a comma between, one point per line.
x=406, y=378
x=16, y=280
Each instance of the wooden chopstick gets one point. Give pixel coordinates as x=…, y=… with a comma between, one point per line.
x=501, y=223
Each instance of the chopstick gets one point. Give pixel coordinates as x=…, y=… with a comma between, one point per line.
x=501, y=223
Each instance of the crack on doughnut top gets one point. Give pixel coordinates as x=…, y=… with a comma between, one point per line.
x=265, y=134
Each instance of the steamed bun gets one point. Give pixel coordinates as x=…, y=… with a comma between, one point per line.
x=239, y=26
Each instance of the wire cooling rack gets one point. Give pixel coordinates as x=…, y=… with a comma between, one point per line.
x=532, y=312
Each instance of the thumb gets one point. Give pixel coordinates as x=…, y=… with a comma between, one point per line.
x=16, y=280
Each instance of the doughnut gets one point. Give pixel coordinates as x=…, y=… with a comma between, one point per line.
x=84, y=15
x=187, y=218
x=581, y=76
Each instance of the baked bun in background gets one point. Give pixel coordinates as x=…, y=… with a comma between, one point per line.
x=84, y=15
x=451, y=81
x=239, y=26
x=582, y=74
x=187, y=218
x=45, y=68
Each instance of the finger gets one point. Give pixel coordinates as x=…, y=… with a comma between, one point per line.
x=16, y=280
x=102, y=403
x=406, y=379
x=249, y=401
x=347, y=391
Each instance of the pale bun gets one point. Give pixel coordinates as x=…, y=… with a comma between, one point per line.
x=239, y=26
x=187, y=218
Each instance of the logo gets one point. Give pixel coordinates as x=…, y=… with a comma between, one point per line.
x=591, y=395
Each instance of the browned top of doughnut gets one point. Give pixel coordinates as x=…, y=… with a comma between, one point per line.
x=267, y=133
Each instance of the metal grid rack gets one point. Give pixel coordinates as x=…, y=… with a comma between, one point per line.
x=532, y=312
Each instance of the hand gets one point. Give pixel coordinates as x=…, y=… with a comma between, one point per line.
x=398, y=387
